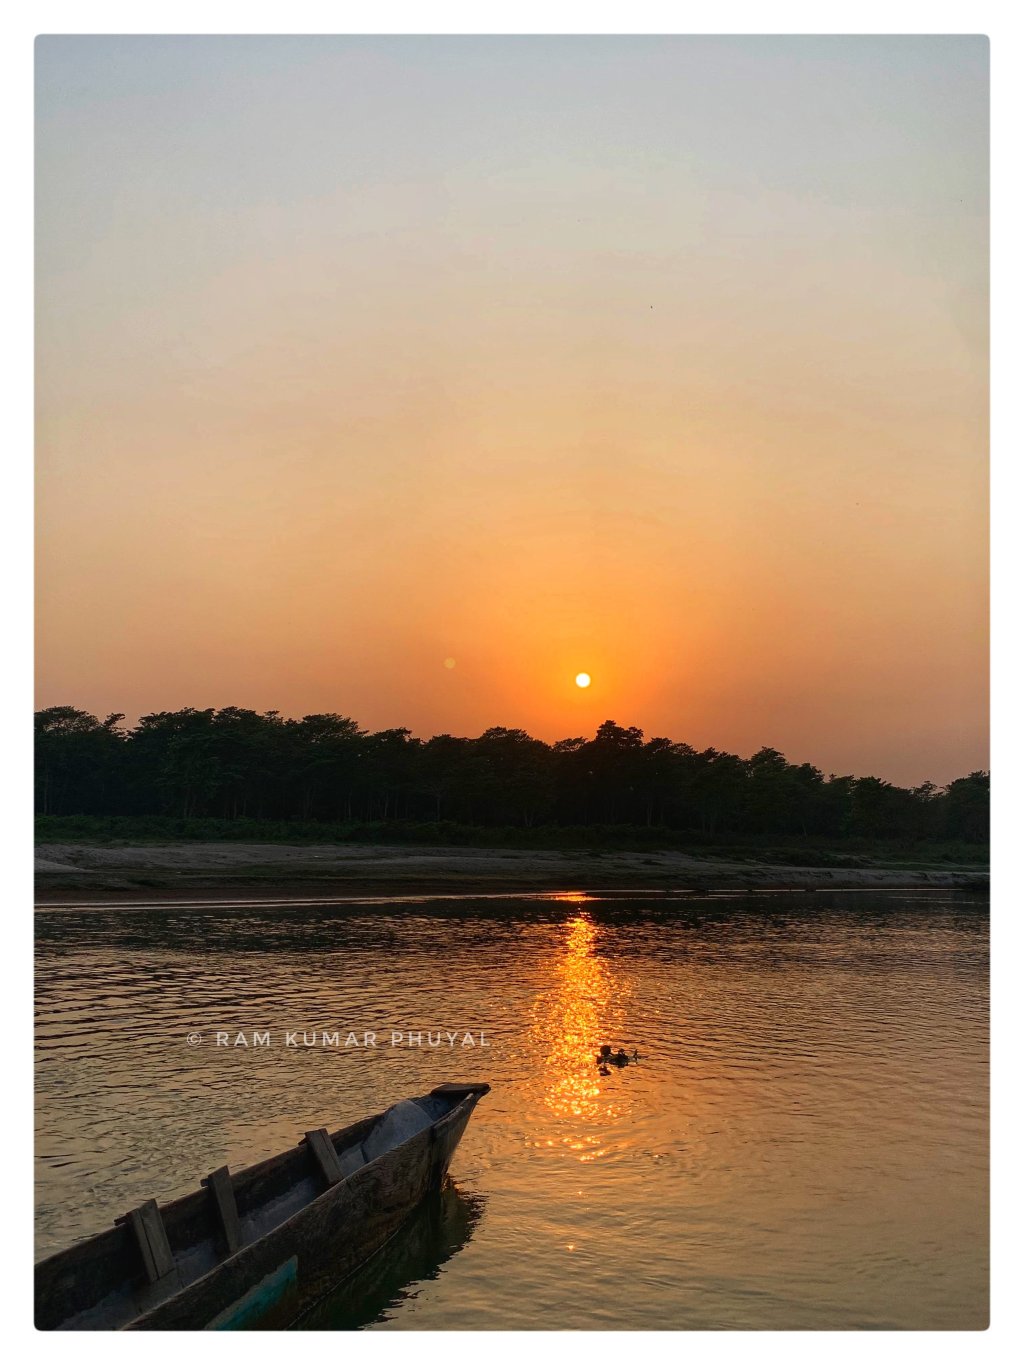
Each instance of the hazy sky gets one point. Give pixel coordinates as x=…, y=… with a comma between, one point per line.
x=663, y=358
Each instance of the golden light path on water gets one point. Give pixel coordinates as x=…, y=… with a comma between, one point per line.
x=570, y=1022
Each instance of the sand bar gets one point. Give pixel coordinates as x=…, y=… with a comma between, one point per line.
x=83, y=872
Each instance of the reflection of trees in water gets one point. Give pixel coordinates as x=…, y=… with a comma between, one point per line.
x=440, y=1227
x=570, y=1022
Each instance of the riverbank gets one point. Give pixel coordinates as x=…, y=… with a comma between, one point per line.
x=220, y=870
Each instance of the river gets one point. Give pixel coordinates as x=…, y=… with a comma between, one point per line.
x=802, y=1142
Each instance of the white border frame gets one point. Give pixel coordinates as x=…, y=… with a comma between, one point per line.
x=315, y=16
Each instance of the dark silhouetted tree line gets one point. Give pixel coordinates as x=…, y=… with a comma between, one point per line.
x=233, y=764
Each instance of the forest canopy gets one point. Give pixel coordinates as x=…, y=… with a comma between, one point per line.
x=235, y=764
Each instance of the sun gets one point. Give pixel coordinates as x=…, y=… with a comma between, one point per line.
x=582, y=679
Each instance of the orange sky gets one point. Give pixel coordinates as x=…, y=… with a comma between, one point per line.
x=663, y=359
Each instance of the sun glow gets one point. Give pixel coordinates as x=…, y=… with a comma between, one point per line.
x=582, y=679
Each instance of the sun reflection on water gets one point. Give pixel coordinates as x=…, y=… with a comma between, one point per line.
x=582, y=1010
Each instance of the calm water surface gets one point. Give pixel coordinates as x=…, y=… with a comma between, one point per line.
x=802, y=1145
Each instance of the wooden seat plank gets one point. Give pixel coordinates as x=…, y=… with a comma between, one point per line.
x=222, y=1191
x=147, y=1225
x=320, y=1144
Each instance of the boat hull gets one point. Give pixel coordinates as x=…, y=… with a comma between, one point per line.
x=284, y=1268
x=269, y=1284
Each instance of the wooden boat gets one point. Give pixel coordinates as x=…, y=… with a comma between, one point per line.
x=256, y=1248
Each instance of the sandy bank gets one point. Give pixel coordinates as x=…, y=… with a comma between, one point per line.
x=84, y=871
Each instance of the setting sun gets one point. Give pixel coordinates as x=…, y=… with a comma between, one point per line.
x=582, y=679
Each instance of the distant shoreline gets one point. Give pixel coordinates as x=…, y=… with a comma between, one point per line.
x=79, y=872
